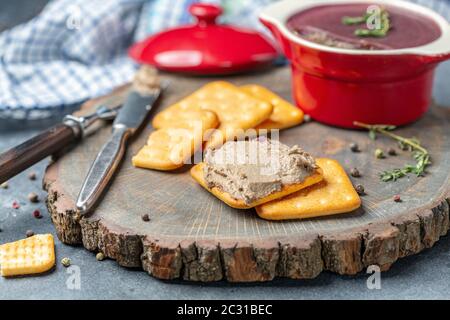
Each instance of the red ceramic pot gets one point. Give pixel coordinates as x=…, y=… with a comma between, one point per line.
x=339, y=86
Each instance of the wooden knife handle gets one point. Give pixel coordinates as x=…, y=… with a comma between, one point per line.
x=32, y=151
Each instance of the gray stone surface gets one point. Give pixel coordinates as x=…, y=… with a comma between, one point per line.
x=424, y=276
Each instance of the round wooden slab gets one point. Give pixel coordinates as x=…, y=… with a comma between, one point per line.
x=194, y=236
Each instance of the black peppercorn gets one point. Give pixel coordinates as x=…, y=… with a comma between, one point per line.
x=355, y=173
x=392, y=152
x=354, y=147
x=33, y=197
x=360, y=189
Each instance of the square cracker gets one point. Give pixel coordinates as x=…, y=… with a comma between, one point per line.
x=189, y=119
x=166, y=149
x=284, y=114
x=236, y=110
x=335, y=194
x=197, y=174
x=35, y=254
x=170, y=148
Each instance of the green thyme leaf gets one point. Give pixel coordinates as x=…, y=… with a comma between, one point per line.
x=419, y=153
x=385, y=24
x=355, y=20
x=369, y=33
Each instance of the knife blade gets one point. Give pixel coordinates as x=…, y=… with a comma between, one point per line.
x=134, y=111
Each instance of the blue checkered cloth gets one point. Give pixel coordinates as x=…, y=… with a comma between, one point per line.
x=76, y=49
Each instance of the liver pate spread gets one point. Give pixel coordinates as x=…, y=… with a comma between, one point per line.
x=253, y=169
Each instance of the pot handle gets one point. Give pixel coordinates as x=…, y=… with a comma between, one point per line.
x=433, y=58
x=279, y=37
x=436, y=51
x=441, y=57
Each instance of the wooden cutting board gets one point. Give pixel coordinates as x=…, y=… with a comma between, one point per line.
x=194, y=236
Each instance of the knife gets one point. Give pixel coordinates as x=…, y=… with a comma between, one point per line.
x=134, y=111
x=57, y=137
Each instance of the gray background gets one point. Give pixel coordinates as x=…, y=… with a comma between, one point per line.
x=423, y=276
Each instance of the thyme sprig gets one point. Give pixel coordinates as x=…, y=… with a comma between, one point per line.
x=385, y=24
x=355, y=20
x=420, y=154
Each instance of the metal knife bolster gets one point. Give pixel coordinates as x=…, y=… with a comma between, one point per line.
x=55, y=138
x=105, y=111
x=130, y=117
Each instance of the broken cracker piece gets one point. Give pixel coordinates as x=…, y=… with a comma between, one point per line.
x=335, y=194
x=166, y=149
x=35, y=254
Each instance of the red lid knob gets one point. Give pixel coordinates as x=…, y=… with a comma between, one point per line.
x=205, y=13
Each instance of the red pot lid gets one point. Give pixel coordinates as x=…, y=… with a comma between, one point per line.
x=205, y=47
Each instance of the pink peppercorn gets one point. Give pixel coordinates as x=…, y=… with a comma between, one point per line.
x=37, y=214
